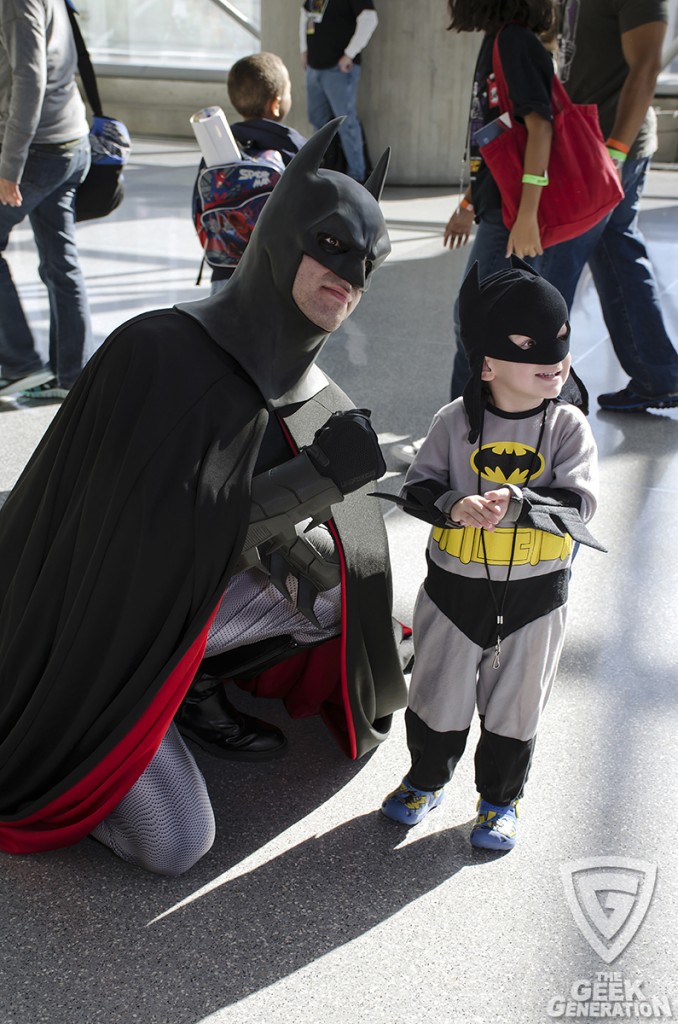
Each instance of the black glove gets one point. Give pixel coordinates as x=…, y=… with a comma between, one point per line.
x=346, y=449
x=551, y=516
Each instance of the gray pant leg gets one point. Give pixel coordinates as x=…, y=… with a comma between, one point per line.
x=165, y=823
x=512, y=697
x=443, y=686
x=511, y=700
x=442, y=695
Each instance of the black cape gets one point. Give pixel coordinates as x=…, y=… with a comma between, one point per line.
x=116, y=546
x=119, y=539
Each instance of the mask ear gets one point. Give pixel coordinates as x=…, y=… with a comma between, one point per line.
x=375, y=182
x=519, y=264
x=470, y=286
x=574, y=392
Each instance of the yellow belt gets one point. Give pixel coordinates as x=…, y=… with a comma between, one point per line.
x=531, y=547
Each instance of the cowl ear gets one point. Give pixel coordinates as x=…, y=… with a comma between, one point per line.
x=375, y=182
x=310, y=156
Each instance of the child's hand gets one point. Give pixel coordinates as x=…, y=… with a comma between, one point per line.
x=482, y=511
x=524, y=239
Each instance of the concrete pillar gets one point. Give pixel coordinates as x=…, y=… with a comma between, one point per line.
x=415, y=85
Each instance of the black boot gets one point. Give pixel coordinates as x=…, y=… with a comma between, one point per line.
x=211, y=721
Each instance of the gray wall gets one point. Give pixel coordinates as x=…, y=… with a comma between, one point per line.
x=160, y=106
x=414, y=90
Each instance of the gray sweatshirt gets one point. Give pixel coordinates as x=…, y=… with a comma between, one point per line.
x=39, y=99
x=567, y=458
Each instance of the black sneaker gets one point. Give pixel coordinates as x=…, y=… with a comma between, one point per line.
x=30, y=380
x=627, y=400
x=48, y=389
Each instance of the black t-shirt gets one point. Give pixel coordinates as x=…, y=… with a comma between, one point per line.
x=528, y=70
x=591, y=61
x=329, y=29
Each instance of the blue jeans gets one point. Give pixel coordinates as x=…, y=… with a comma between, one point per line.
x=615, y=251
x=332, y=93
x=489, y=249
x=48, y=185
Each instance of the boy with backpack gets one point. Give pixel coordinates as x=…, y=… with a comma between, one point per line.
x=507, y=476
x=259, y=88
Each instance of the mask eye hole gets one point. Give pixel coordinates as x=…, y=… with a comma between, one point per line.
x=328, y=243
x=522, y=341
x=368, y=267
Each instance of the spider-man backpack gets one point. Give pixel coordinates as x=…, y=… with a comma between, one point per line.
x=227, y=201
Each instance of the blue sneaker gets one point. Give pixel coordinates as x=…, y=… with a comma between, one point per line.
x=409, y=805
x=495, y=827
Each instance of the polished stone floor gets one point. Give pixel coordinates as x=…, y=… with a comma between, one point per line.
x=311, y=907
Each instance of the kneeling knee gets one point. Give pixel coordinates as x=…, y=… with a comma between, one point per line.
x=178, y=853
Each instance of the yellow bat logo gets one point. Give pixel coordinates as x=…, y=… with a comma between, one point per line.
x=507, y=462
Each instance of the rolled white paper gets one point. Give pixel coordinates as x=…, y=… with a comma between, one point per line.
x=214, y=137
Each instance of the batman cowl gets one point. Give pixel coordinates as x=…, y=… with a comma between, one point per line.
x=254, y=318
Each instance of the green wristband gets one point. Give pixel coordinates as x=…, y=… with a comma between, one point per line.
x=617, y=154
x=535, y=179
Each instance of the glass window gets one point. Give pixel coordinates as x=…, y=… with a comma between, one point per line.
x=201, y=34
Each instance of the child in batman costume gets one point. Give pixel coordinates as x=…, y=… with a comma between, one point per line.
x=126, y=551
x=507, y=478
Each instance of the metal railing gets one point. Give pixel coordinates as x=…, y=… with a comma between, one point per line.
x=232, y=11
x=135, y=62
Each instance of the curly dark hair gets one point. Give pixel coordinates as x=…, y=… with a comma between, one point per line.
x=490, y=15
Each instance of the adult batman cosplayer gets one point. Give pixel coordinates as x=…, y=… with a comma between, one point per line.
x=124, y=530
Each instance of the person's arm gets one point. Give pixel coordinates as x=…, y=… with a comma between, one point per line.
x=365, y=24
x=26, y=48
x=458, y=228
x=429, y=493
x=642, y=49
x=524, y=239
x=528, y=71
x=569, y=501
x=303, y=45
x=429, y=501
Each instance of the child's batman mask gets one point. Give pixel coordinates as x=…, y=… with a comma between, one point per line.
x=514, y=301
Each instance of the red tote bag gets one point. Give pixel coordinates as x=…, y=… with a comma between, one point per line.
x=583, y=183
